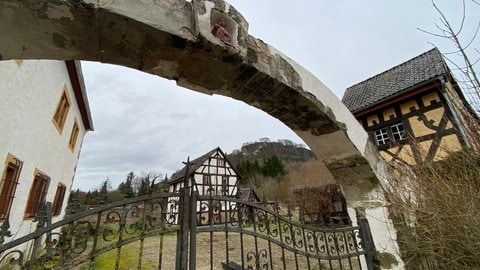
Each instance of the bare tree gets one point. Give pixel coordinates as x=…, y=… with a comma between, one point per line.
x=465, y=49
x=265, y=139
x=146, y=182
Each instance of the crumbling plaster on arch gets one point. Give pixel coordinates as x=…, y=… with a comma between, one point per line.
x=165, y=15
x=347, y=148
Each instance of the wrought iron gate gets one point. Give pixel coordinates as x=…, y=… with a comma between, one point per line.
x=186, y=231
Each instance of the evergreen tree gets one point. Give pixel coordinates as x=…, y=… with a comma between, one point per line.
x=273, y=167
x=126, y=188
x=144, y=187
x=147, y=182
x=103, y=192
x=252, y=172
x=91, y=198
x=249, y=171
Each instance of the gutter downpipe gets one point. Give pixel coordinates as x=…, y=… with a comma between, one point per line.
x=463, y=134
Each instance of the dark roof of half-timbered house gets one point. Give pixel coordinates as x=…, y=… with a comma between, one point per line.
x=395, y=81
x=248, y=194
x=194, y=164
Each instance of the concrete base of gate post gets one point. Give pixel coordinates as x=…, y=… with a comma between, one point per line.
x=382, y=229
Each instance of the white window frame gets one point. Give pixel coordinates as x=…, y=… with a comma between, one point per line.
x=396, y=132
x=381, y=136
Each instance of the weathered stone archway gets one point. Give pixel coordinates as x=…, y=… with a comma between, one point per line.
x=174, y=39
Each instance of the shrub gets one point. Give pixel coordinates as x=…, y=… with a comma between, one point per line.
x=323, y=204
x=440, y=217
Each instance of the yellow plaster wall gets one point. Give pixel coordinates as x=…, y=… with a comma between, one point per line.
x=423, y=148
x=407, y=155
x=427, y=99
x=385, y=156
x=448, y=144
x=405, y=107
x=389, y=112
x=419, y=128
x=372, y=118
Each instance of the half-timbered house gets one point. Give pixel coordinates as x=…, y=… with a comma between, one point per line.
x=415, y=112
x=209, y=174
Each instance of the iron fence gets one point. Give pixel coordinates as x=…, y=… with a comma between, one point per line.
x=186, y=231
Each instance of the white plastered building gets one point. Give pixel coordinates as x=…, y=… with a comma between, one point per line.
x=44, y=115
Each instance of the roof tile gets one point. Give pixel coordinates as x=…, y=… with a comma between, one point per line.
x=396, y=80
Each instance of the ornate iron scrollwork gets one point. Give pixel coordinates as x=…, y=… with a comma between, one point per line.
x=257, y=260
x=274, y=239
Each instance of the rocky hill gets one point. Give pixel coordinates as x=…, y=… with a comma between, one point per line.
x=285, y=150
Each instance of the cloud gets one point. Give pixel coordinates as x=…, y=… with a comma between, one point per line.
x=146, y=123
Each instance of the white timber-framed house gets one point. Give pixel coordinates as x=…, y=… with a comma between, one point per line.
x=209, y=174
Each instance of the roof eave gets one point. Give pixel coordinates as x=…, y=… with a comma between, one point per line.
x=411, y=91
x=74, y=69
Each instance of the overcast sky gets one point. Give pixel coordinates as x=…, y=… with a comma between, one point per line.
x=145, y=123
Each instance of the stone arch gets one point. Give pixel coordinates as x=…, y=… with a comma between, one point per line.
x=176, y=39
